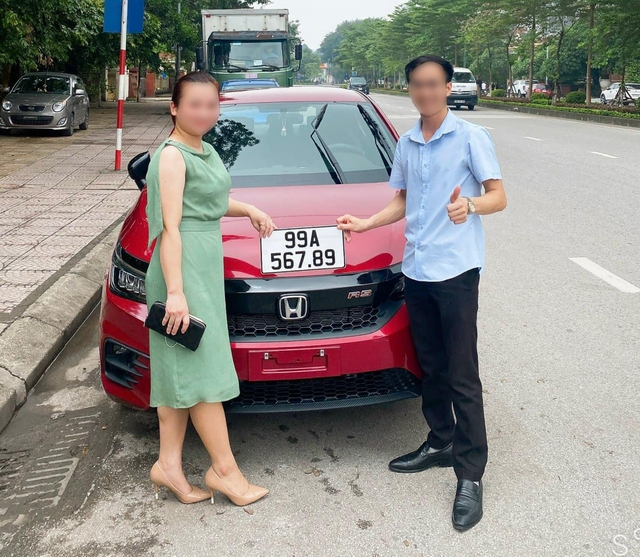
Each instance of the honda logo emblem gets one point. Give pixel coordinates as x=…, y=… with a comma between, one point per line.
x=293, y=307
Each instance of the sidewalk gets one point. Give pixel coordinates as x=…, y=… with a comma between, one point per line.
x=61, y=204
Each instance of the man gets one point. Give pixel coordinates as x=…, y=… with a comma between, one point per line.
x=440, y=167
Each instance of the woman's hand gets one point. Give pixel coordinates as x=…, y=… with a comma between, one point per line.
x=177, y=313
x=261, y=222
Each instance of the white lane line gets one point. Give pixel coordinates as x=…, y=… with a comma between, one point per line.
x=602, y=155
x=605, y=275
x=488, y=128
x=532, y=138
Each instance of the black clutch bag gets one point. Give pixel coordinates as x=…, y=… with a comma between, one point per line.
x=189, y=339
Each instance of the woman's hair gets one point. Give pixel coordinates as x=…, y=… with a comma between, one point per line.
x=191, y=77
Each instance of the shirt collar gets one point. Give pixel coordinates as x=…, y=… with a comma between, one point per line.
x=448, y=125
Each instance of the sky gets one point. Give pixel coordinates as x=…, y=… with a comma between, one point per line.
x=319, y=18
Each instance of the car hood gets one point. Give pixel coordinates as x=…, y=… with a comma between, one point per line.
x=36, y=98
x=292, y=206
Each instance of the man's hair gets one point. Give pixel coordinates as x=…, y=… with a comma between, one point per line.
x=425, y=59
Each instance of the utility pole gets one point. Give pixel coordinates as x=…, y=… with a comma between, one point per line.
x=178, y=47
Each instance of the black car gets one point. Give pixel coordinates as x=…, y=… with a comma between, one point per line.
x=359, y=84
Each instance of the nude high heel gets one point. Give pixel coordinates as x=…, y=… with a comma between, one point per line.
x=215, y=482
x=159, y=478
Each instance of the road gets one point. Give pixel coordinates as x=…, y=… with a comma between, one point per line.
x=560, y=363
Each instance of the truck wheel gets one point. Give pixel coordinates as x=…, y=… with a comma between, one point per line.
x=472, y=106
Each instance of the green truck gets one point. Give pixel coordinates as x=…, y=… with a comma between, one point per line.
x=247, y=44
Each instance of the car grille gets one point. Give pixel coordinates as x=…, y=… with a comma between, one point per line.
x=325, y=392
x=31, y=121
x=31, y=107
x=334, y=321
x=463, y=93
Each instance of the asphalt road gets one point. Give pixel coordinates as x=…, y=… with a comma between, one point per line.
x=561, y=371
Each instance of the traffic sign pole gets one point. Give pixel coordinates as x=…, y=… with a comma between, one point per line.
x=122, y=83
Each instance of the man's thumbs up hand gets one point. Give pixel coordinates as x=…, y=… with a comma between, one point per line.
x=458, y=208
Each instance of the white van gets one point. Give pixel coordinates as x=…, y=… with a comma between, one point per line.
x=464, y=91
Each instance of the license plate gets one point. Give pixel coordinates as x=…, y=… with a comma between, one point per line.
x=303, y=249
x=458, y=102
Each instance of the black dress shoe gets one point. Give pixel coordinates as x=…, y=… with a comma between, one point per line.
x=467, y=508
x=420, y=460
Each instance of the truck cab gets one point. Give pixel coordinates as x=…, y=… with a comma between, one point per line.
x=247, y=44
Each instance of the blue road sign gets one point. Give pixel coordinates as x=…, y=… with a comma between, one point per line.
x=113, y=15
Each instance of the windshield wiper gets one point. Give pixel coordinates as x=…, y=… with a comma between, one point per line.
x=327, y=156
x=381, y=142
x=229, y=66
x=270, y=66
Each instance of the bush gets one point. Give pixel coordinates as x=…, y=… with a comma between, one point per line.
x=638, y=104
x=575, y=97
x=499, y=93
x=539, y=98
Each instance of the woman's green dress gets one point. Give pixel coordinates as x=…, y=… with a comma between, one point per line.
x=181, y=378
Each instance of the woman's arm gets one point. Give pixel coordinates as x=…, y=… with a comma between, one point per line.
x=172, y=172
x=260, y=220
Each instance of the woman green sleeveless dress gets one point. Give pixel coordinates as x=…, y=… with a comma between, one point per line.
x=181, y=378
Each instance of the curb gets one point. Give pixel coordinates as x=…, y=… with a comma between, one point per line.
x=583, y=117
x=33, y=340
x=580, y=116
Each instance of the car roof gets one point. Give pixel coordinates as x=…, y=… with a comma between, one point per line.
x=54, y=74
x=249, y=80
x=304, y=93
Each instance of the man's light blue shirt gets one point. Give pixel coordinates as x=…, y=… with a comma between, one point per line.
x=459, y=154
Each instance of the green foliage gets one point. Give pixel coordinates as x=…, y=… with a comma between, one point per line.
x=616, y=113
x=67, y=35
x=539, y=98
x=498, y=93
x=575, y=97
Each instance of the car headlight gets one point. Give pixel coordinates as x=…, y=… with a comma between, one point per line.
x=6, y=105
x=124, y=280
x=57, y=107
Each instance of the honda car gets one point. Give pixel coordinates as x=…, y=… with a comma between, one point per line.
x=314, y=322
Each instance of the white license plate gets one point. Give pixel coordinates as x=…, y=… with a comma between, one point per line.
x=303, y=249
x=458, y=102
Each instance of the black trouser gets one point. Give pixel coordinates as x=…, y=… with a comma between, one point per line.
x=443, y=320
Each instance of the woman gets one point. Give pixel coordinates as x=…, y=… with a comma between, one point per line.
x=188, y=192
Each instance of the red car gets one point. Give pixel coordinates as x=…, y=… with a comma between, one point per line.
x=314, y=322
x=543, y=89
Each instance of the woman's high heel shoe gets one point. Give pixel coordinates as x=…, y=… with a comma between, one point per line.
x=158, y=477
x=215, y=482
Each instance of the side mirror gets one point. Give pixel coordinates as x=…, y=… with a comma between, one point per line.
x=298, y=51
x=79, y=92
x=137, y=169
x=200, y=62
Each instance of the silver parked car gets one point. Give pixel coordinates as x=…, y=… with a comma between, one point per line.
x=46, y=100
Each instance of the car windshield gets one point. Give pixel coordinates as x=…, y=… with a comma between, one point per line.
x=43, y=84
x=463, y=77
x=274, y=144
x=245, y=55
x=358, y=80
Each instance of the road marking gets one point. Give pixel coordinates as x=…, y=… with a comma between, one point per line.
x=532, y=138
x=602, y=155
x=488, y=128
x=605, y=275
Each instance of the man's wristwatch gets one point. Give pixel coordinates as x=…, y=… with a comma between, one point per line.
x=471, y=210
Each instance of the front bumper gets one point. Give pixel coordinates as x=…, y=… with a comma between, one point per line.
x=275, y=375
x=462, y=100
x=15, y=120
